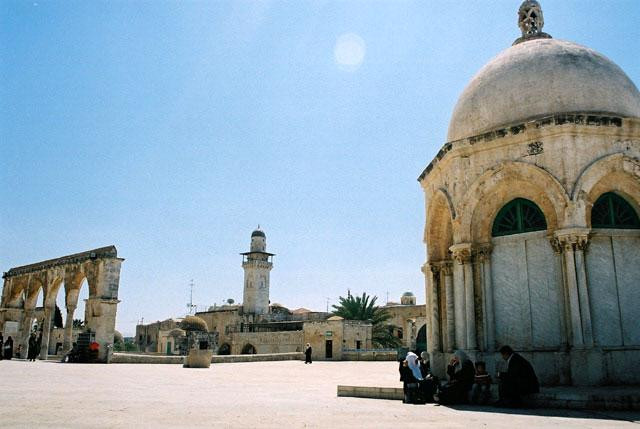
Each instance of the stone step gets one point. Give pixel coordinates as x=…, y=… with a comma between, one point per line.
x=566, y=397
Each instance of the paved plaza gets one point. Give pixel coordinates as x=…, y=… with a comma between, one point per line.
x=284, y=394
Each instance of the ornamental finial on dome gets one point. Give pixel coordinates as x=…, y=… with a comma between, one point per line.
x=530, y=21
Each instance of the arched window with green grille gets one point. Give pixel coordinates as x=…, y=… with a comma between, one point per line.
x=518, y=216
x=613, y=211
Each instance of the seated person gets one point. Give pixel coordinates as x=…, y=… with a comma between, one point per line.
x=411, y=377
x=430, y=383
x=481, y=390
x=72, y=355
x=518, y=380
x=461, y=375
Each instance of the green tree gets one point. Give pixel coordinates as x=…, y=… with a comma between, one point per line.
x=57, y=317
x=364, y=308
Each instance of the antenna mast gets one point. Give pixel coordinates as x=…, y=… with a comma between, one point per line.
x=190, y=305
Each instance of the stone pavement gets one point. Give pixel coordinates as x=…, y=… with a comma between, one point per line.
x=261, y=394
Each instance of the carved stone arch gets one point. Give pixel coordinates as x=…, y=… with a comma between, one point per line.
x=439, y=225
x=55, y=279
x=500, y=185
x=616, y=173
x=72, y=283
x=90, y=271
x=36, y=286
x=18, y=287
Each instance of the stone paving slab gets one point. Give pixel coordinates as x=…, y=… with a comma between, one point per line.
x=279, y=394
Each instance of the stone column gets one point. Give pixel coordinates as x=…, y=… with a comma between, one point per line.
x=46, y=331
x=484, y=265
x=428, y=288
x=447, y=270
x=563, y=296
x=462, y=254
x=573, y=242
x=435, y=310
x=68, y=328
x=582, y=241
x=101, y=319
x=25, y=330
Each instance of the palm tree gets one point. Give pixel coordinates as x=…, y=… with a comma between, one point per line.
x=364, y=308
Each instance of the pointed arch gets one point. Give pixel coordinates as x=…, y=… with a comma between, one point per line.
x=505, y=182
x=439, y=225
x=616, y=173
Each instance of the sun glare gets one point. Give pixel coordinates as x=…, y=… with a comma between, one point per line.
x=349, y=51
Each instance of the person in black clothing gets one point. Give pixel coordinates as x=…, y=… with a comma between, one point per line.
x=8, y=348
x=307, y=354
x=430, y=384
x=33, y=347
x=461, y=375
x=518, y=380
x=410, y=384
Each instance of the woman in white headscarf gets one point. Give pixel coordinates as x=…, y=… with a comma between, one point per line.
x=414, y=366
x=461, y=374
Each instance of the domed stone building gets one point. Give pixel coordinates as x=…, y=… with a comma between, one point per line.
x=532, y=229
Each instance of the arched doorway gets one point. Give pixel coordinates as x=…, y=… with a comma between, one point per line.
x=224, y=349
x=421, y=339
x=248, y=349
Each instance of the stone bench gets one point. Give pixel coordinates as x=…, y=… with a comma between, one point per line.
x=566, y=397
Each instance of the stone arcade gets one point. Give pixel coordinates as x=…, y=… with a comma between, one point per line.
x=22, y=285
x=532, y=230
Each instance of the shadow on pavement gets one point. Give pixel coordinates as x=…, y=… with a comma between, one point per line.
x=628, y=416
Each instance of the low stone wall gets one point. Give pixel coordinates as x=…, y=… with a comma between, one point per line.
x=370, y=355
x=154, y=358
x=258, y=358
x=371, y=392
x=145, y=358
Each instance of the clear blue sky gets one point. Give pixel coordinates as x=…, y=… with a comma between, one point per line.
x=171, y=129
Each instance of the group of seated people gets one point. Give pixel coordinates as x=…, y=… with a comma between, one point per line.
x=468, y=383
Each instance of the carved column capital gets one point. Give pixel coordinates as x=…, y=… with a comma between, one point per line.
x=483, y=252
x=447, y=268
x=435, y=269
x=461, y=252
x=425, y=268
x=571, y=239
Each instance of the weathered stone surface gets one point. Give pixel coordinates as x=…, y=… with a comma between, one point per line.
x=558, y=125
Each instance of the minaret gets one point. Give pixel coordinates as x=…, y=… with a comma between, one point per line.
x=257, y=264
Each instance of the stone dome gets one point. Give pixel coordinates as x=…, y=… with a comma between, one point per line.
x=257, y=233
x=541, y=77
x=407, y=294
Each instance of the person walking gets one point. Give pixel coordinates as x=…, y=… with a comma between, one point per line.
x=33, y=347
x=307, y=354
x=8, y=348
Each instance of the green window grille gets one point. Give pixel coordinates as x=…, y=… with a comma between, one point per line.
x=613, y=211
x=518, y=216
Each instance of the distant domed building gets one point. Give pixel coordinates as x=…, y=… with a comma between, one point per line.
x=532, y=227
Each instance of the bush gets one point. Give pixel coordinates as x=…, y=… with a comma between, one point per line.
x=194, y=324
x=118, y=338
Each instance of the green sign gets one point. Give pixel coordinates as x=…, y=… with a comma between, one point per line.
x=328, y=334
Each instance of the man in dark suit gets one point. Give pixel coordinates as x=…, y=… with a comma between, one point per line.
x=519, y=379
